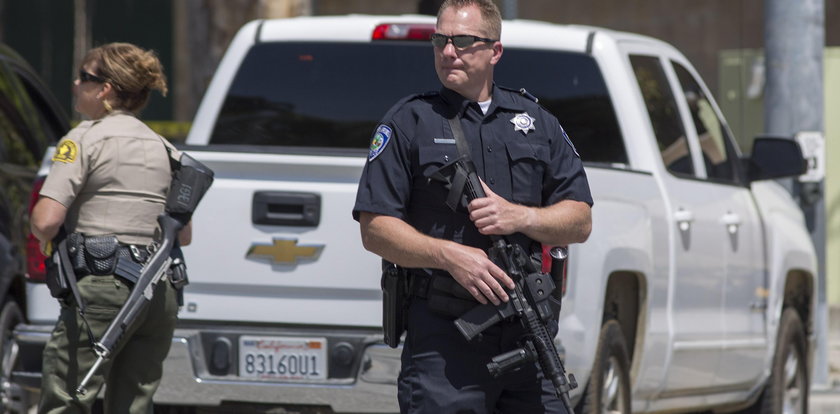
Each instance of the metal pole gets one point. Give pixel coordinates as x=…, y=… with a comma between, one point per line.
x=509, y=9
x=82, y=39
x=794, y=38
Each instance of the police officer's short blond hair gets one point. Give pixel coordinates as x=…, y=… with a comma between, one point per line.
x=489, y=13
x=133, y=72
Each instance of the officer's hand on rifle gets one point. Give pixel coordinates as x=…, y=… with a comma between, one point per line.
x=495, y=215
x=477, y=274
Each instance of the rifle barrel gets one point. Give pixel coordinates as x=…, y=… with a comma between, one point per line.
x=81, y=390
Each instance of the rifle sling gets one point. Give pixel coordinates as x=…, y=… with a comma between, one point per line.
x=460, y=177
x=458, y=134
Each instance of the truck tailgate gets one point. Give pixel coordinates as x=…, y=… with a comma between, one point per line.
x=306, y=266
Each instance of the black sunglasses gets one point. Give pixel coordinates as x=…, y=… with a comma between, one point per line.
x=440, y=40
x=87, y=77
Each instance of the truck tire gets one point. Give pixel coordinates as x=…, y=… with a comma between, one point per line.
x=13, y=398
x=786, y=391
x=608, y=389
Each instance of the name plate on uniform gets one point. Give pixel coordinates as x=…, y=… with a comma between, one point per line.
x=282, y=358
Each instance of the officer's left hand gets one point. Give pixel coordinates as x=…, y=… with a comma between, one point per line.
x=495, y=215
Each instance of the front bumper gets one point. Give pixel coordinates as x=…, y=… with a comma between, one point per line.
x=200, y=372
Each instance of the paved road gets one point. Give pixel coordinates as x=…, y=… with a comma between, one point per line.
x=825, y=402
x=822, y=402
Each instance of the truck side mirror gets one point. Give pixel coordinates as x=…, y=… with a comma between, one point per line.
x=774, y=157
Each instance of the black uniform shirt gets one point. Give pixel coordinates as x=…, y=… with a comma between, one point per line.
x=519, y=149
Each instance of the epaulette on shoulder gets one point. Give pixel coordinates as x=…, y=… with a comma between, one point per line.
x=520, y=92
x=427, y=94
x=415, y=96
x=402, y=102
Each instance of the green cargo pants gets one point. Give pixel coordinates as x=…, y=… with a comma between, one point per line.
x=133, y=372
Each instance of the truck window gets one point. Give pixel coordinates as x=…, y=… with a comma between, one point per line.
x=571, y=87
x=319, y=95
x=712, y=133
x=664, y=115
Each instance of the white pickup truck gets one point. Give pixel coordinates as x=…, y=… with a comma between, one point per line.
x=694, y=292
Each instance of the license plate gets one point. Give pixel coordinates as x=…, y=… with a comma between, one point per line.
x=281, y=358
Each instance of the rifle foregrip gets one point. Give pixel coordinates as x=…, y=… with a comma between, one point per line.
x=115, y=331
x=550, y=363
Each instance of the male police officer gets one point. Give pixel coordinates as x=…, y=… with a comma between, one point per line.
x=537, y=192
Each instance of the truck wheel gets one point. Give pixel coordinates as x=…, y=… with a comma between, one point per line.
x=786, y=391
x=13, y=399
x=608, y=390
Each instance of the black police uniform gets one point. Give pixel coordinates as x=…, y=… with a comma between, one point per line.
x=522, y=153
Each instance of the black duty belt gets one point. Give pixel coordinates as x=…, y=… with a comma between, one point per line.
x=97, y=255
x=443, y=293
x=138, y=253
x=423, y=285
x=418, y=284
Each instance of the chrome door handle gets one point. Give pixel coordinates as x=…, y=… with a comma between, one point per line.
x=683, y=218
x=732, y=221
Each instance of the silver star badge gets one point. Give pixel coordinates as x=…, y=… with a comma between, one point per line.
x=523, y=122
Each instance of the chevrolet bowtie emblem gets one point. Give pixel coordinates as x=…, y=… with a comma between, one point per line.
x=285, y=252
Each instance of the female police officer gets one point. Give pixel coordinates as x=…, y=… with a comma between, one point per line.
x=109, y=180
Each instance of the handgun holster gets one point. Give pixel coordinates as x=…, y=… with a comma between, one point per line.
x=56, y=278
x=394, y=303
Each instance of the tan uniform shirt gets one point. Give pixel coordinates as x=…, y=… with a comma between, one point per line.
x=113, y=175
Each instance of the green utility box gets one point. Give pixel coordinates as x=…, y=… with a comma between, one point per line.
x=741, y=100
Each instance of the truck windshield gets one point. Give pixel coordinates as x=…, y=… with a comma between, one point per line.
x=331, y=95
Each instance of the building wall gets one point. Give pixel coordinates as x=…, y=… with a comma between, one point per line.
x=336, y=7
x=700, y=29
x=192, y=34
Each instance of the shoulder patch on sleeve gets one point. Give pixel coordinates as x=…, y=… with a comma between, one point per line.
x=66, y=152
x=380, y=139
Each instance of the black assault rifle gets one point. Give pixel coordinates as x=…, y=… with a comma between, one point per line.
x=529, y=299
x=190, y=180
